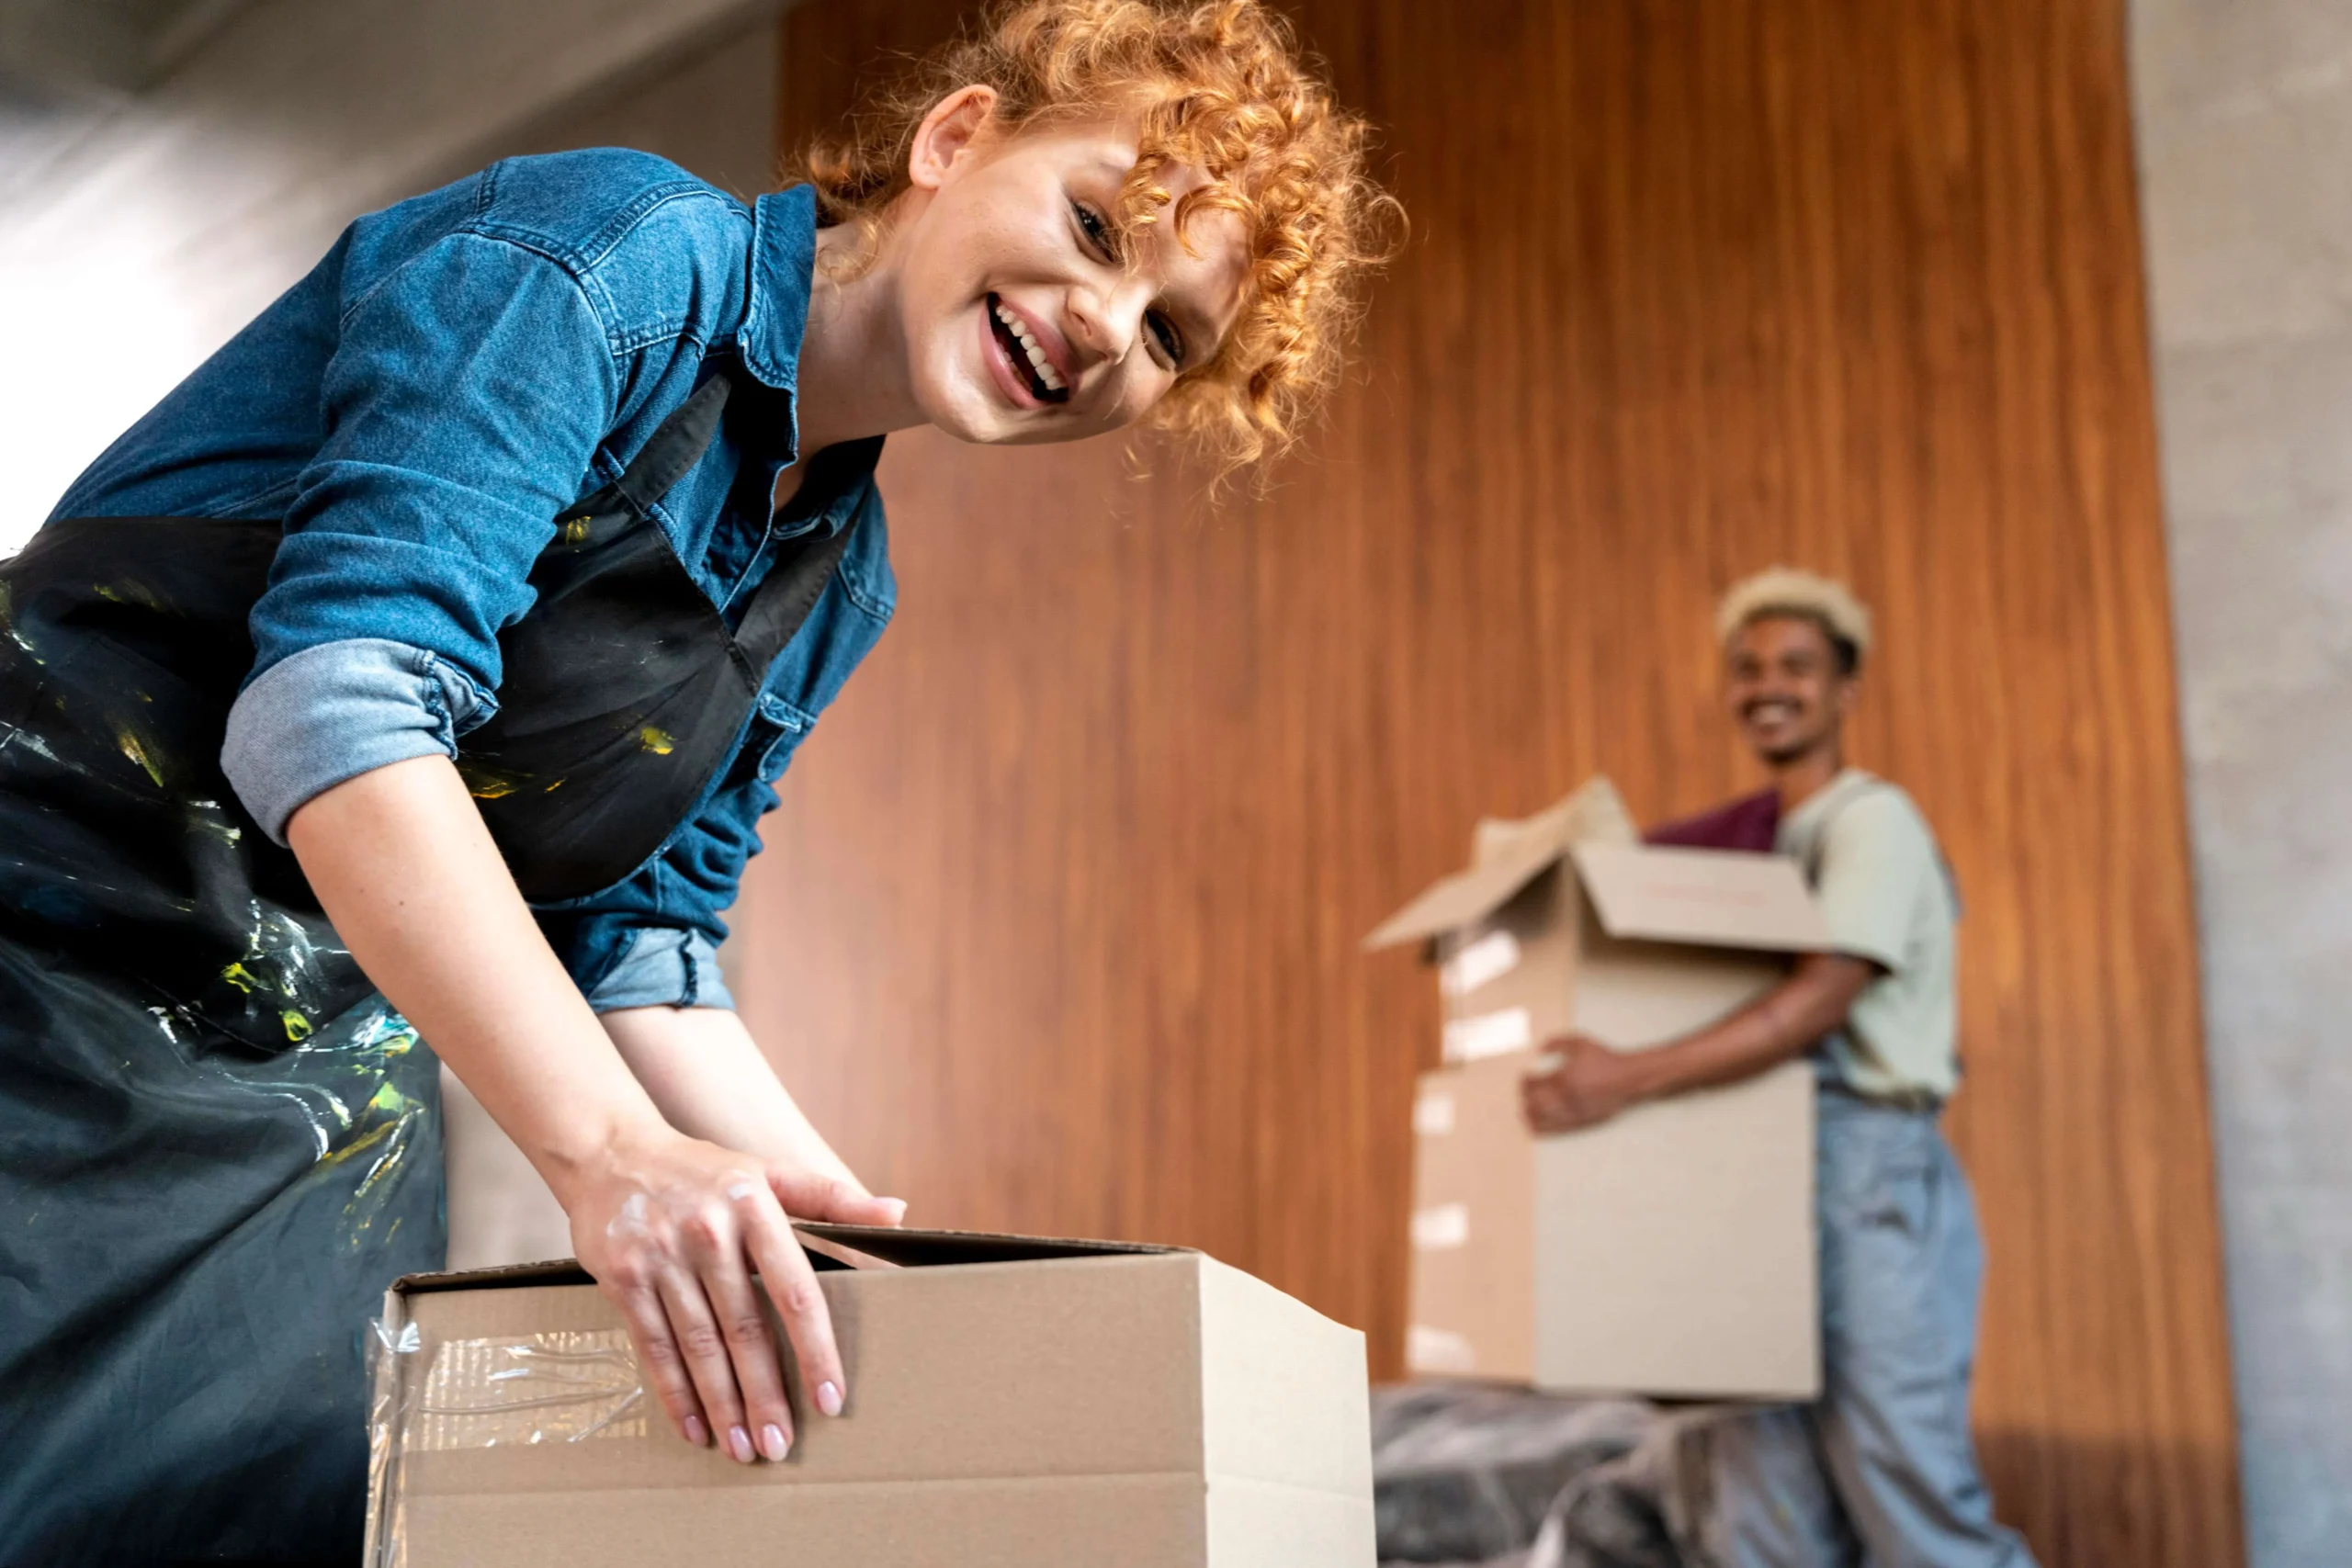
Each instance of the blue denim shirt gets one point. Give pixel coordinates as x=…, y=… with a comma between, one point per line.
x=460, y=368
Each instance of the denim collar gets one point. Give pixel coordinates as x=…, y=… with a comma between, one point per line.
x=784, y=260
x=784, y=256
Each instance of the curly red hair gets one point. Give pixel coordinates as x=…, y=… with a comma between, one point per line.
x=1220, y=85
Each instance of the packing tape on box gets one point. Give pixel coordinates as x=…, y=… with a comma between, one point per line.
x=1490, y=958
x=517, y=1390
x=1438, y=1350
x=1440, y=1227
x=393, y=1352
x=561, y=1387
x=1489, y=1034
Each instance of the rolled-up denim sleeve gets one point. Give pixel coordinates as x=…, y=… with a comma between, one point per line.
x=664, y=967
x=463, y=405
x=338, y=710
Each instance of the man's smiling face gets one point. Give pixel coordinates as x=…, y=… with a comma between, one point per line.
x=1784, y=686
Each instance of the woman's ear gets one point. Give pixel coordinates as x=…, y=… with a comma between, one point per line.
x=956, y=126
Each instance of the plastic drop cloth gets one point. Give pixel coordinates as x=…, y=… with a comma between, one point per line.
x=1470, y=1474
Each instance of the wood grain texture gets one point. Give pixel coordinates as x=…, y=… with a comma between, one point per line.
x=1058, y=926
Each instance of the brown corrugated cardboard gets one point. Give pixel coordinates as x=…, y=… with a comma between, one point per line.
x=1013, y=1402
x=1670, y=1251
x=1700, y=897
x=1674, y=1247
x=1473, y=1306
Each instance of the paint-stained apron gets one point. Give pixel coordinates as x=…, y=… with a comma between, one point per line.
x=217, y=1144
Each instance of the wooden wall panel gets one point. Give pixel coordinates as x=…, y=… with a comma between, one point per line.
x=1057, y=928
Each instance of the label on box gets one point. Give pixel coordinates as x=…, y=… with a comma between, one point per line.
x=1431, y=1350
x=1488, y=958
x=1440, y=1226
x=1489, y=1034
x=1432, y=1113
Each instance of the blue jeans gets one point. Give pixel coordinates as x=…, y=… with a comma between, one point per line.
x=1880, y=1472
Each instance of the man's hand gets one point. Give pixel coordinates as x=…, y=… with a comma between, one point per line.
x=1594, y=1083
x=1591, y=1083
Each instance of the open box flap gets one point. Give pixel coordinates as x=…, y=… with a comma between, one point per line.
x=1506, y=854
x=556, y=1271
x=1592, y=812
x=1455, y=901
x=900, y=1248
x=931, y=1249
x=1706, y=897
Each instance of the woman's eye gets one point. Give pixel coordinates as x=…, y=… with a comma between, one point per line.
x=1098, y=233
x=1171, y=341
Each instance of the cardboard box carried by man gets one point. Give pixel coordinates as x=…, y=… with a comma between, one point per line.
x=1670, y=1251
x=1019, y=1403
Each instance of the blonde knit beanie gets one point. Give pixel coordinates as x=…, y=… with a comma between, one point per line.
x=1785, y=590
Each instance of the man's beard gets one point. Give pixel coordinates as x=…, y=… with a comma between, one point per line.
x=1781, y=754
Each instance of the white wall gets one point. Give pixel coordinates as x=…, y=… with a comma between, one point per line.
x=2244, y=121
x=138, y=234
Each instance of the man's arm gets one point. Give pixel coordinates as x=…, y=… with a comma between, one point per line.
x=1594, y=1083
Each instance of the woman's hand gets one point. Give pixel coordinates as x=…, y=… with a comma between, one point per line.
x=668, y=1224
x=403, y=866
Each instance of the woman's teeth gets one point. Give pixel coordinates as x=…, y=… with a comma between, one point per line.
x=1043, y=366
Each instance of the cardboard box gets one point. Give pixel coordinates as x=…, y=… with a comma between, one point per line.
x=1671, y=1250
x=1013, y=1402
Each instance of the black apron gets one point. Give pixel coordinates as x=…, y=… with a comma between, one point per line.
x=217, y=1144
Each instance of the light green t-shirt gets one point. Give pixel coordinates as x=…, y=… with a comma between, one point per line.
x=1881, y=881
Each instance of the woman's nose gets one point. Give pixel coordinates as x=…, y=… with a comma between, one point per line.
x=1106, y=327
x=1087, y=333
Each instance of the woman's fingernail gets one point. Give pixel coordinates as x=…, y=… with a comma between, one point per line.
x=774, y=1443
x=829, y=1399
x=696, y=1433
x=738, y=1443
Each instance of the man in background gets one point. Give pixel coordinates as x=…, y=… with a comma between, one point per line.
x=1882, y=1469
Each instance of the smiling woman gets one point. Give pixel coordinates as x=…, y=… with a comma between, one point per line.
x=1174, y=181
x=1018, y=311
x=418, y=669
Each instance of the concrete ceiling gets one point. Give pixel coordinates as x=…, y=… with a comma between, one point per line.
x=53, y=49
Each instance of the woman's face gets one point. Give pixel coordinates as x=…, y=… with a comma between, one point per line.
x=1025, y=315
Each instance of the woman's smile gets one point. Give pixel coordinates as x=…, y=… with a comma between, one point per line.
x=1029, y=360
